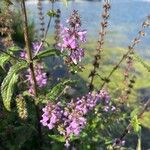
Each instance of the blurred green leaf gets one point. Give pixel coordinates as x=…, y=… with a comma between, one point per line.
x=52, y=13
x=135, y=124
x=47, y=53
x=57, y=138
x=146, y=66
x=14, y=49
x=134, y=112
x=58, y=89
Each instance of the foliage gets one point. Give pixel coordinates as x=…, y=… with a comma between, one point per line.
x=50, y=99
x=8, y=83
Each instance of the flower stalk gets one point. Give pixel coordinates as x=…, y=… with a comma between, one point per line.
x=31, y=66
x=131, y=47
x=102, y=33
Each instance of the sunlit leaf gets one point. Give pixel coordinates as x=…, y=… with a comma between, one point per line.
x=7, y=87
x=57, y=89
x=4, y=58
x=135, y=124
x=14, y=49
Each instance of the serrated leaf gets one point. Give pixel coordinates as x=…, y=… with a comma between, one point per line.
x=14, y=49
x=7, y=87
x=4, y=59
x=7, y=90
x=57, y=89
x=47, y=53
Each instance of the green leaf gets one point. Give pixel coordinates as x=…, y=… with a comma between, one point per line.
x=4, y=58
x=146, y=66
x=7, y=87
x=52, y=13
x=134, y=112
x=14, y=49
x=58, y=89
x=60, y=138
x=47, y=53
x=57, y=138
x=135, y=124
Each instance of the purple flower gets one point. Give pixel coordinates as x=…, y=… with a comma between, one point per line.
x=36, y=47
x=71, y=118
x=72, y=37
x=40, y=75
x=23, y=54
x=77, y=55
x=67, y=143
x=52, y=114
x=82, y=35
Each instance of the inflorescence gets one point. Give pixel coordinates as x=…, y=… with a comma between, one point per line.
x=71, y=118
x=40, y=75
x=71, y=39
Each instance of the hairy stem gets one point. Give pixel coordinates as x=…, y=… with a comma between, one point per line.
x=30, y=60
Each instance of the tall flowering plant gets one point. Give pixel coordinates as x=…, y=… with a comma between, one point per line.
x=51, y=112
x=71, y=118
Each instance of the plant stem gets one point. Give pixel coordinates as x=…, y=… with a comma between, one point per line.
x=46, y=32
x=129, y=127
x=30, y=60
x=136, y=41
x=102, y=33
x=49, y=22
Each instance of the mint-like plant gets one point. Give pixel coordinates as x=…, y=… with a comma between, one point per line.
x=40, y=113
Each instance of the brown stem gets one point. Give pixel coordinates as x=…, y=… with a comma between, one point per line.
x=97, y=58
x=129, y=127
x=46, y=32
x=30, y=60
x=136, y=41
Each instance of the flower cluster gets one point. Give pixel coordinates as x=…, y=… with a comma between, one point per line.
x=36, y=47
x=40, y=75
x=52, y=114
x=72, y=37
x=70, y=119
x=106, y=101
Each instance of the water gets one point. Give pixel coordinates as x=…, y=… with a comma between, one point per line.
x=125, y=21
